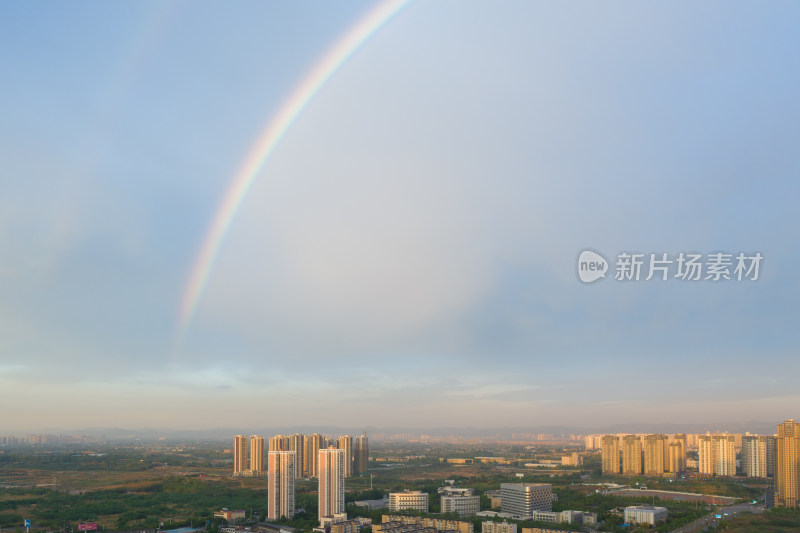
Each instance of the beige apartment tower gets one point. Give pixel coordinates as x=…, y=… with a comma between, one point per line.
x=705, y=455
x=331, y=482
x=676, y=452
x=676, y=462
x=716, y=455
x=257, y=455
x=631, y=455
x=787, y=464
x=655, y=451
x=345, y=443
x=278, y=443
x=609, y=447
x=297, y=444
x=239, y=455
x=313, y=444
x=724, y=455
x=280, y=493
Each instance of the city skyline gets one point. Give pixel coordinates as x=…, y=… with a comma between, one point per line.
x=371, y=213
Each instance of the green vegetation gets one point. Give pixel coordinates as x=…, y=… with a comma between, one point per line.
x=179, y=500
x=773, y=521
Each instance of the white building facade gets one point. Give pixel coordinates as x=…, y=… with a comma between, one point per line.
x=462, y=504
x=415, y=500
x=645, y=514
x=522, y=499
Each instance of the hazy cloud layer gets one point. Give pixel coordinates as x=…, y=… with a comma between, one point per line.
x=413, y=239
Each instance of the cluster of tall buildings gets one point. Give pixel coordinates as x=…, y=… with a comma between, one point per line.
x=306, y=448
x=301, y=456
x=281, y=477
x=252, y=464
x=658, y=454
x=649, y=455
x=763, y=456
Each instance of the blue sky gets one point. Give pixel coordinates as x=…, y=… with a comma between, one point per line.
x=407, y=254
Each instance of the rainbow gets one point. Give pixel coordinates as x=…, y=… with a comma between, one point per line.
x=266, y=143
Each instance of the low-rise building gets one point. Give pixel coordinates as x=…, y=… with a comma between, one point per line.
x=565, y=517
x=449, y=490
x=498, y=527
x=326, y=522
x=545, y=530
x=438, y=524
x=267, y=527
x=578, y=517
x=373, y=504
x=230, y=515
x=494, y=498
x=460, y=501
x=408, y=499
x=544, y=516
x=494, y=514
x=350, y=526
x=645, y=514
x=522, y=499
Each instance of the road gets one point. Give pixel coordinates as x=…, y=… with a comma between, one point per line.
x=711, y=518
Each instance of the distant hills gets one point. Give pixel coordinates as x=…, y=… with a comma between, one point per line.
x=396, y=433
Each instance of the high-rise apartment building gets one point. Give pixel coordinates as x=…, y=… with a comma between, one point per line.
x=655, y=451
x=631, y=455
x=257, y=455
x=676, y=452
x=239, y=455
x=724, y=455
x=755, y=452
x=677, y=459
x=345, y=442
x=787, y=464
x=331, y=482
x=360, y=454
x=771, y=446
x=609, y=448
x=313, y=444
x=280, y=492
x=717, y=455
x=278, y=443
x=705, y=455
x=297, y=445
